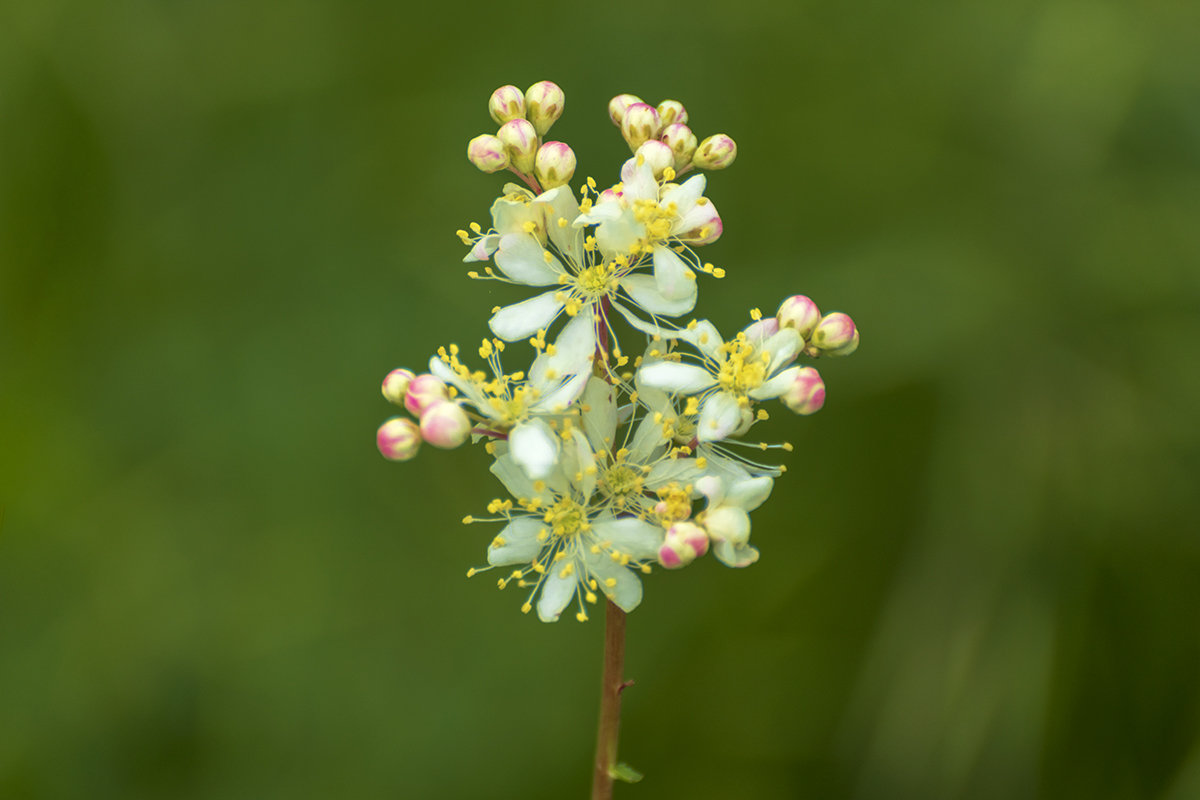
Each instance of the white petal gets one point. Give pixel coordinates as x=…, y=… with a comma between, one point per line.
x=513, y=477
x=673, y=377
x=534, y=447
x=560, y=204
x=761, y=330
x=783, y=347
x=509, y=215
x=641, y=324
x=643, y=290
x=685, y=195
x=700, y=224
x=582, y=464
x=719, y=416
x=647, y=438
x=705, y=337
x=640, y=185
x=557, y=591
x=679, y=470
x=603, y=211
x=626, y=591
x=775, y=386
x=442, y=370
x=560, y=398
x=482, y=249
x=749, y=494
x=522, y=258
x=515, y=322
x=599, y=401
x=735, y=556
x=521, y=544
x=671, y=274
x=619, y=234
x=629, y=535
x=573, y=352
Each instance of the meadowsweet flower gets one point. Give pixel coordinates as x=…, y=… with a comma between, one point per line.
x=727, y=519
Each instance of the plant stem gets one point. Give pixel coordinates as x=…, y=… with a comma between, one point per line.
x=612, y=684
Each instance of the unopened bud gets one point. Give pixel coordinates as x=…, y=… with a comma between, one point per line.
x=617, y=106
x=716, y=152
x=554, y=165
x=835, y=335
x=424, y=391
x=544, y=103
x=683, y=543
x=672, y=111
x=507, y=102
x=640, y=124
x=521, y=141
x=801, y=313
x=609, y=195
x=395, y=385
x=727, y=523
x=487, y=153
x=657, y=155
x=445, y=425
x=806, y=393
x=682, y=141
x=398, y=439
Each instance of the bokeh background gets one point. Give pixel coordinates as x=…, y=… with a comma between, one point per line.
x=222, y=222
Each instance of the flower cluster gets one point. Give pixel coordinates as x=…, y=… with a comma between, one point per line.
x=613, y=461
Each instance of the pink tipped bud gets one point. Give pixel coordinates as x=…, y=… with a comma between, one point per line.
x=398, y=439
x=487, y=153
x=544, y=103
x=617, y=106
x=424, y=391
x=683, y=543
x=716, y=152
x=801, y=313
x=521, y=142
x=640, y=124
x=445, y=425
x=682, y=141
x=608, y=196
x=806, y=394
x=395, y=385
x=657, y=155
x=507, y=102
x=672, y=111
x=835, y=335
x=554, y=165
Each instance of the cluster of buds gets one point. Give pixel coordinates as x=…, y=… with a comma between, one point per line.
x=661, y=136
x=442, y=422
x=613, y=461
x=518, y=146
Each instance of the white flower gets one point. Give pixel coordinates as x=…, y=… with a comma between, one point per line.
x=518, y=405
x=727, y=519
x=566, y=542
x=731, y=375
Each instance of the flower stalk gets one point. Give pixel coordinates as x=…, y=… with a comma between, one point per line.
x=611, y=685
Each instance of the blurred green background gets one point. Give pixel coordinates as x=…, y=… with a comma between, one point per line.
x=221, y=223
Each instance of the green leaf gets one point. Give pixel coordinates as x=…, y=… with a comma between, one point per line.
x=624, y=772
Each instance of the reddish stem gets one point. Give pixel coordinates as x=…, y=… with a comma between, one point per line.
x=610, y=702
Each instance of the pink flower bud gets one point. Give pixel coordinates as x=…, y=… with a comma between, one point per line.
x=395, y=385
x=806, y=394
x=683, y=543
x=801, y=313
x=657, y=155
x=487, y=153
x=617, y=106
x=445, y=425
x=716, y=152
x=398, y=439
x=544, y=103
x=424, y=391
x=835, y=335
x=554, y=165
x=682, y=141
x=507, y=102
x=640, y=124
x=521, y=142
x=672, y=111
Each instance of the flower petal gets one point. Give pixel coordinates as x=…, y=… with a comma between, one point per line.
x=483, y=248
x=719, y=416
x=520, y=544
x=561, y=210
x=732, y=555
x=629, y=535
x=534, y=447
x=513, y=477
x=618, y=235
x=749, y=494
x=685, y=195
x=643, y=291
x=673, y=377
x=626, y=589
x=523, y=259
x=557, y=591
x=599, y=420
x=559, y=399
x=783, y=347
x=679, y=470
x=671, y=274
x=775, y=386
x=515, y=322
x=705, y=337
